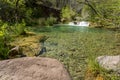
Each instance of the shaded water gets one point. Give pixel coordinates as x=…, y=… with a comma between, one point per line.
x=74, y=45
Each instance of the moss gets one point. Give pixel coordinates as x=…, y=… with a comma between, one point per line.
x=29, y=44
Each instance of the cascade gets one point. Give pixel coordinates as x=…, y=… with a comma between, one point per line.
x=81, y=23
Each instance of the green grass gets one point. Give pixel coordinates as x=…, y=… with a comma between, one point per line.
x=75, y=47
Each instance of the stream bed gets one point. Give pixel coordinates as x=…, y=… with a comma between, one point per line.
x=74, y=46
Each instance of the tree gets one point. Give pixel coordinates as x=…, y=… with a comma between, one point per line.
x=67, y=13
x=105, y=12
x=12, y=10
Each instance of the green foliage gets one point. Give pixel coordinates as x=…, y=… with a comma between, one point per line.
x=3, y=49
x=19, y=28
x=108, y=13
x=93, y=66
x=85, y=12
x=4, y=40
x=50, y=21
x=6, y=31
x=3, y=29
x=28, y=16
x=46, y=21
x=14, y=11
x=67, y=13
x=15, y=29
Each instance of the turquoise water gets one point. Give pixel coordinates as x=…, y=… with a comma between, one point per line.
x=68, y=29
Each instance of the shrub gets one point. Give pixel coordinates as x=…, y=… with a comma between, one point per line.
x=3, y=48
x=17, y=29
x=46, y=22
x=20, y=28
x=50, y=21
x=4, y=39
x=67, y=13
x=108, y=14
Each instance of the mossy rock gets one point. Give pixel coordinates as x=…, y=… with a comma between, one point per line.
x=29, y=44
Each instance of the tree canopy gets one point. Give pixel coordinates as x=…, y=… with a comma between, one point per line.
x=104, y=12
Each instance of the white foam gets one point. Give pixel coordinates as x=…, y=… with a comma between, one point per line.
x=82, y=23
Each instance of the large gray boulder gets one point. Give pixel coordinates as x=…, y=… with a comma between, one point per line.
x=33, y=68
x=110, y=62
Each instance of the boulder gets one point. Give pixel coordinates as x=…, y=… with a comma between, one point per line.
x=110, y=62
x=33, y=68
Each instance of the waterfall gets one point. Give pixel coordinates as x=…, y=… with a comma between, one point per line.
x=81, y=23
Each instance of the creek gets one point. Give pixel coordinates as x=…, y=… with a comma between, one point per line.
x=75, y=45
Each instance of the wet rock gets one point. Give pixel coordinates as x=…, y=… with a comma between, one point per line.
x=110, y=62
x=33, y=68
x=43, y=50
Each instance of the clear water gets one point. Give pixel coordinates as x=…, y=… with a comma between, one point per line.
x=73, y=45
x=67, y=29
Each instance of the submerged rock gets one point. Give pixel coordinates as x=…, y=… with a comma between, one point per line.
x=33, y=68
x=43, y=50
x=110, y=62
